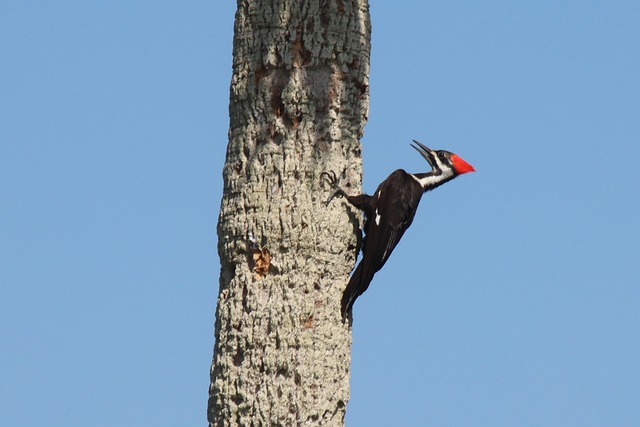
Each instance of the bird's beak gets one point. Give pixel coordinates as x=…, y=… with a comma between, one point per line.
x=460, y=165
x=425, y=152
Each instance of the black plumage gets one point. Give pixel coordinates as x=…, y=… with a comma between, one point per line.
x=390, y=212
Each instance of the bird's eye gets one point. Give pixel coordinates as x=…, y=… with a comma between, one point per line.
x=441, y=155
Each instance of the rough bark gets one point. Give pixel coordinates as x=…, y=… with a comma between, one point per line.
x=298, y=106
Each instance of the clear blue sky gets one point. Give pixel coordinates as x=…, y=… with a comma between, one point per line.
x=514, y=299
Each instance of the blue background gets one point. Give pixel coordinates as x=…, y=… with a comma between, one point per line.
x=513, y=300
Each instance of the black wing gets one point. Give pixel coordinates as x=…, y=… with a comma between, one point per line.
x=396, y=202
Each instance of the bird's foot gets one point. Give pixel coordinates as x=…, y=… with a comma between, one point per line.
x=332, y=178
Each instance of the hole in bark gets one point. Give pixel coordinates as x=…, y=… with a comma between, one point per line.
x=300, y=54
x=259, y=73
x=297, y=379
x=276, y=104
x=245, y=291
x=288, y=121
x=309, y=322
x=260, y=261
x=279, y=81
x=362, y=87
x=325, y=15
x=237, y=399
x=238, y=358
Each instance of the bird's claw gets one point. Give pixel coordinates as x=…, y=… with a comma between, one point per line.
x=333, y=181
x=331, y=177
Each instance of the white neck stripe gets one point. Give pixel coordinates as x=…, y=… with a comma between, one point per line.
x=433, y=180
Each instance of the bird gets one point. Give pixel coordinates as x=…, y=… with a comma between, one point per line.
x=390, y=212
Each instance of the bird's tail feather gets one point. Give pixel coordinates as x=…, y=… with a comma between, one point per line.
x=358, y=283
x=351, y=293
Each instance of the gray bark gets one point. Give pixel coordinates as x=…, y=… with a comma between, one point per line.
x=298, y=106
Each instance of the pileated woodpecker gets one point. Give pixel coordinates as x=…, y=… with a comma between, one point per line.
x=390, y=211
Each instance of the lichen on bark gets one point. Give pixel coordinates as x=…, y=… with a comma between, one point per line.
x=298, y=105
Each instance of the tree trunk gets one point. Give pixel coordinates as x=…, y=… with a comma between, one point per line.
x=299, y=102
